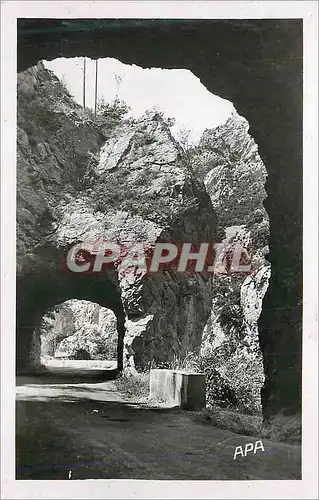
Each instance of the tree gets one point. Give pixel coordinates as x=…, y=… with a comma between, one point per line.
x=183, y=138
x=110, y=114
x=118, y=82
x=169, y=121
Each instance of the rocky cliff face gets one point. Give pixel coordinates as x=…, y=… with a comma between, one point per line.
x=135, y=189
x=135, y=185
x=55, y=139
x=142, y=193
x=227, y=159
x=79, y=326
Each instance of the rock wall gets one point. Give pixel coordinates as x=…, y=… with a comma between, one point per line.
x=234, y=175
x=138, y=190
x=143, y=193
x=79, y=325
x=54, y=138
x=57, y=324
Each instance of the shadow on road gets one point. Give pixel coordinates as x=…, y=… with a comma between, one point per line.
x=62, y=376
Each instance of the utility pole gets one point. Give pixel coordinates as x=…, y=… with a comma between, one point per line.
x=84, y=78
x=95, y=95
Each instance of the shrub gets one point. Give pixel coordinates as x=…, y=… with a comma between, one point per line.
x=135, y=385
x=110, y=114
x=285, y=429
x=234, y=379
x=231, y=420
x=105, y=348
x=218, y=389
x=79, y=353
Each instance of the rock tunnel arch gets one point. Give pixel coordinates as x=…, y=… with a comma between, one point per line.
x=78, y=330
x=257, y=65
x=35, y=299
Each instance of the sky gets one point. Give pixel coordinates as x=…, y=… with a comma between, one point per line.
x=177, y=92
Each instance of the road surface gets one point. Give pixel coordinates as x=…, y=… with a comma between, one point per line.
x=88, y=431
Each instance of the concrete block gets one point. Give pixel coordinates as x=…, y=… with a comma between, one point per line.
x=178, y=388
